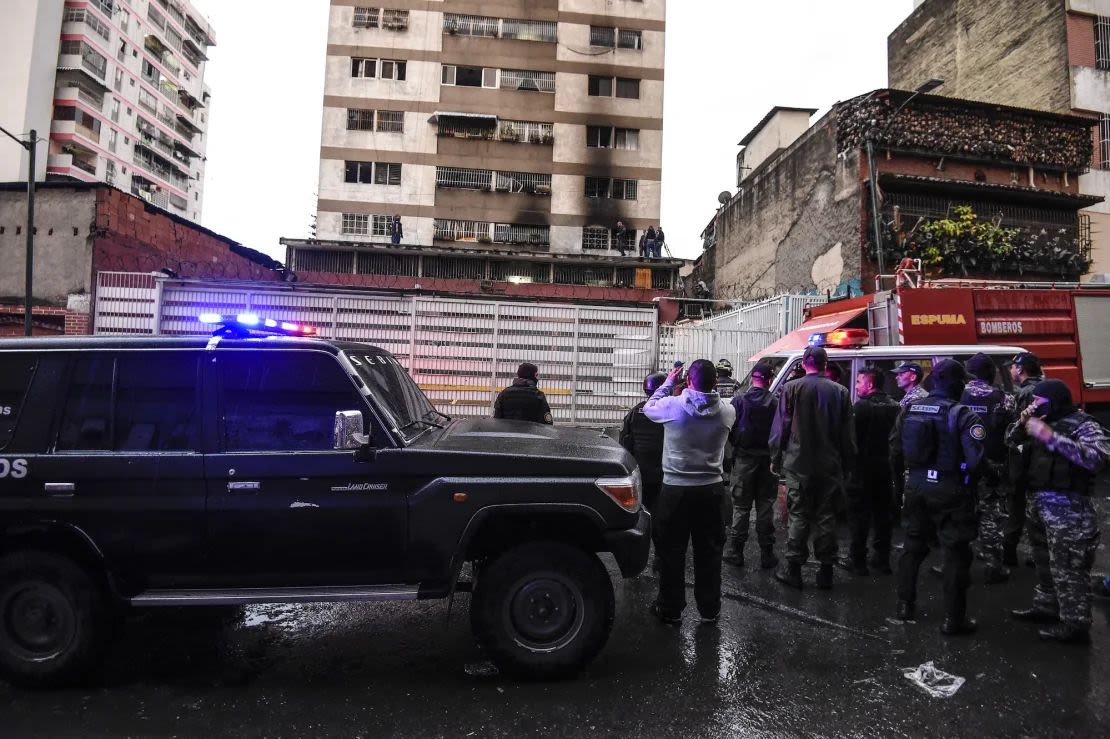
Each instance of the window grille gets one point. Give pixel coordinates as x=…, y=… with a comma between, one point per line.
x=625, y=189
x=325, y=261
x=528, y=182
x=380, y=225
x=595, y=238
x=521, y=272
x=506, y=233
x=387, y=264
x=355, y=225
x=455, y=268
x=453, y=230
x=1102, y=42
x=603, y=36
x=469, y=25
x=522, y=79
x=360, y=120
x=527, y=131
x=529, y=30
x=630, y=40
x=627, y=240
x=396, y=19
x=1104, y=141
x=467, y=179
x=366, y=17
x=391, y=121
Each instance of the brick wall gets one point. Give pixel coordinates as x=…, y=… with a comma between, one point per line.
x=131, y=236
x=1081, y=40
x=45, y=321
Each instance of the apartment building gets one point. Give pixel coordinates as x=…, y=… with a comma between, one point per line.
x=531, y=125
x=1051, y=55
x=116, y=89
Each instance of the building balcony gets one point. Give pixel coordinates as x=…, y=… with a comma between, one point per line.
x=73, y=89
x=64, y=163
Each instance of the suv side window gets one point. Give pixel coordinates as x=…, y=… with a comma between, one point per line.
x=16, y=371
x=135, y=402
x=282, y=400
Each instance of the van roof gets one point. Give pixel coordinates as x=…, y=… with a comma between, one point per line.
x=907, y=351
x=132, y=343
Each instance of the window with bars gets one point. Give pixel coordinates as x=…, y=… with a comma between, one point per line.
x=519, y=272
x=1102, y=42
x=360, y=120
x=380, y=225
x=613, y=188
x=523, y=79
x=388, y=264
x=469, y=25
x=455, y=268
x=455, y=230
x=527, y=131
x=616, y=38
x=605, y=137
x=466, y=179
x=627, y=39
x=391, y=121
x=355, y=224
x=1104, y=141
x=397, y=20
x=366, y=17
x=546, y=31
x=595, y=238
x=509, y=233
x=526, y=182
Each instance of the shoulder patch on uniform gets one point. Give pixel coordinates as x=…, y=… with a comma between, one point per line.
x=918, y=408
x=978, y=432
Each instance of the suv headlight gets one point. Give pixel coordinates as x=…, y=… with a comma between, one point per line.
x=625, y=491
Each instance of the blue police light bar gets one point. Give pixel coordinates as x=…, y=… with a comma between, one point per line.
x=210, y=318
x=247, y=323
x=247, y=319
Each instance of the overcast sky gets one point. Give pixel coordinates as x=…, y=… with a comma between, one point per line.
x=728, y=63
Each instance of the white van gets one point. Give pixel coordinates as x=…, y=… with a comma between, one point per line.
x=852, y=360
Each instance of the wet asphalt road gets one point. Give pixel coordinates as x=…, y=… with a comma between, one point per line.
x=780, y=663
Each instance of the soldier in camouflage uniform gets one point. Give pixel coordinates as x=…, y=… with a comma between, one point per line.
x=908, y=375
x=1067, y=448
x=996, y=410
x=726, y=386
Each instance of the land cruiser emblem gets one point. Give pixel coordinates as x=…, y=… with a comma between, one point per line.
x=355, y=487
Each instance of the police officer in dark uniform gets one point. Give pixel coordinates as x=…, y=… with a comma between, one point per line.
x=1025, y=371
x=726, y=386
x=995, y=409
x=643, y=438
x=1067, y=448
x=751, y=481
x=942, y=445
x=523, y=401
x=870, y=493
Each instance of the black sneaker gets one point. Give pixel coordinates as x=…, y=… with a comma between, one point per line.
x=790, y=574
x=1065, y=634
x=657, y=611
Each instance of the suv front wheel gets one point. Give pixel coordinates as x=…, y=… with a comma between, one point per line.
x=54, y=620
x=543, y=609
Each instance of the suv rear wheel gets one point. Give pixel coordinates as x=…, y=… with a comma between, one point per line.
x=54, y=620
x=543, y=609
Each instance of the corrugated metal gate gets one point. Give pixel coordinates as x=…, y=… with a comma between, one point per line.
x=592, y=359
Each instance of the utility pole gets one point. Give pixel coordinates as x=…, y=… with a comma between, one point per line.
x=29, y=277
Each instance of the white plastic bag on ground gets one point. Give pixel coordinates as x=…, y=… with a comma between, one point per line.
x=936, y=683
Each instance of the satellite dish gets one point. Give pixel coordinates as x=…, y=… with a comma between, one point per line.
x=724, y=197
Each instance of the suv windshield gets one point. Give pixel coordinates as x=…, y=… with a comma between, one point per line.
x=392, y=387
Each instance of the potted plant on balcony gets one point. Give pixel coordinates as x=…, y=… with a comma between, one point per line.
x=485, y=239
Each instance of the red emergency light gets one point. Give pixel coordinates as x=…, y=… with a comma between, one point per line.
x=842, y=338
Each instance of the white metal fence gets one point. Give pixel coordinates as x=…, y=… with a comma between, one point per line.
x=592, y=359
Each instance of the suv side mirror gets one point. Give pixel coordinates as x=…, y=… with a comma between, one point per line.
x=348, y=431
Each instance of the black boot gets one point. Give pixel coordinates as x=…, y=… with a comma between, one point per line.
x=767, y=558
x=906, y=611
x=1065, y=634
x=856, y=567
x=958, y=625
x=1035, y=615
x=790, y=574
x=825, y=577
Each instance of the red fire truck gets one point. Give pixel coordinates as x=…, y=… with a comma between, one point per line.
x=1066, y=326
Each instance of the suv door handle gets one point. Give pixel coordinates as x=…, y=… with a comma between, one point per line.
x=235, y=487
x=59, y=489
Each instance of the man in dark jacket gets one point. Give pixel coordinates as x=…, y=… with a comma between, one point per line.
x=870, y=493
x=942, y=444
x=813, y=442
x=995, y=409
x=643, y=438
x=523, y=401
x=1067, y=449
x=1025, y=371
x=751, y=481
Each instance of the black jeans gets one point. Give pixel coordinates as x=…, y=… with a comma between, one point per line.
x=651, y=502
x=943, y=509
x=870, y=497
x=688, y=514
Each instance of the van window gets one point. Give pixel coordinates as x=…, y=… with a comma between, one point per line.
x=1002, y=379
x=282, y=400
x=890, y=383
x=16, y=371
x=138, y=402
